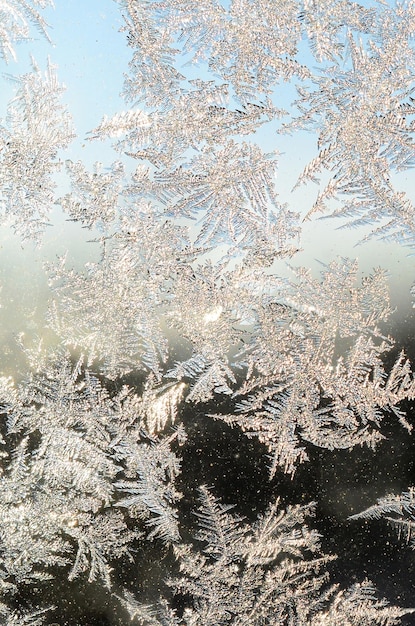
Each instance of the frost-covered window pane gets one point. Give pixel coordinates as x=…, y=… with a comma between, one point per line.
x=206, y=338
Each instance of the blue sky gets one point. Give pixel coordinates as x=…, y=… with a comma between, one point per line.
x=91, y=56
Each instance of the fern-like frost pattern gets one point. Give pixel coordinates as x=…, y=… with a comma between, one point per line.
x=185, y=314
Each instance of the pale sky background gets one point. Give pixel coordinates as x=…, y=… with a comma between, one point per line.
x=90, y=53
x=91, y=57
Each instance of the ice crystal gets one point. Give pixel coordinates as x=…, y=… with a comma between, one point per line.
x=362, y=112
x=16, y=16
x=113, y=311
x=315, y=371
x=398, y=510
x=187, y=305
x=81, y=465
x=36, y=128
x=272, y=572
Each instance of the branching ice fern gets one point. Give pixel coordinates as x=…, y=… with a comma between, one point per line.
x=399, y=511
x=36, y=128
x=78, y=451
x=87, y=472
x=113, y=311
x=271, y=573
x=315, y=370
x=362, y=112
x=16, y=18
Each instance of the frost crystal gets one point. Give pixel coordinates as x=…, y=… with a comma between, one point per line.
x=36, y=128
x=78, y=451
x=15, y=19
x=186, y=313
x=271, y=573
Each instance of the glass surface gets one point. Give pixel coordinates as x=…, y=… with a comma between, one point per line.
x=206, y=320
